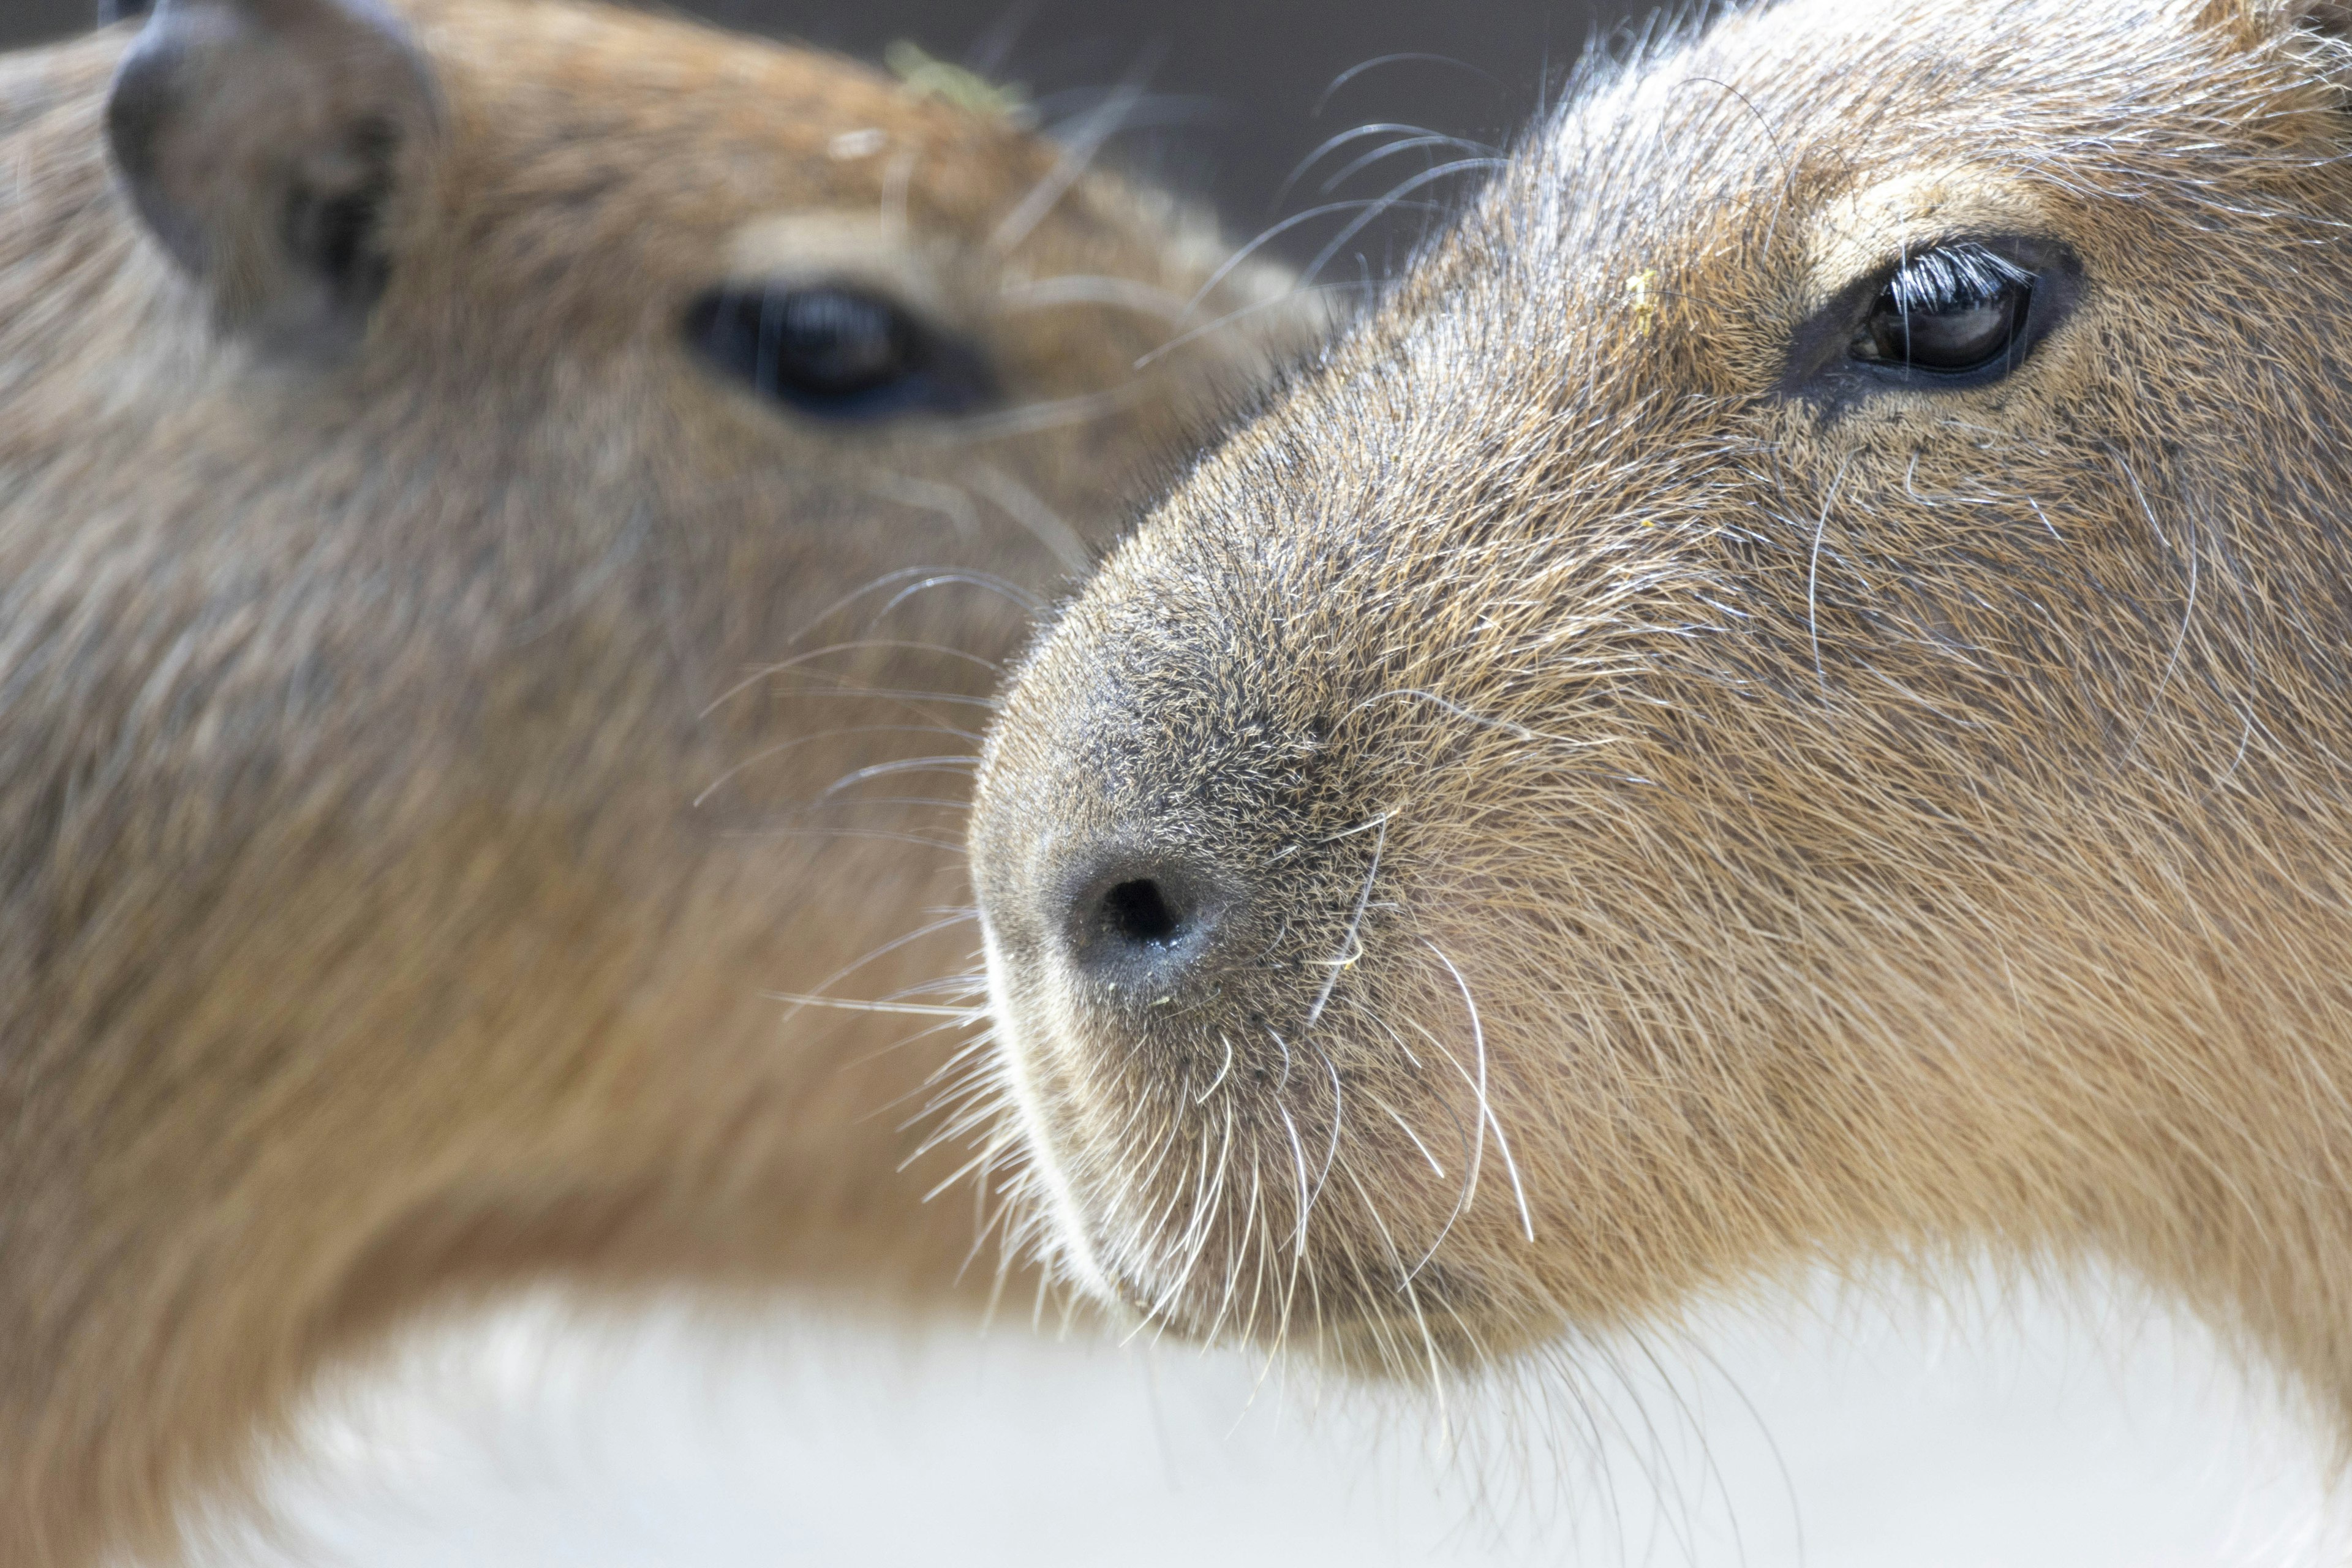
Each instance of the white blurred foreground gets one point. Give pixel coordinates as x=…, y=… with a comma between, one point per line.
x=2039, y=1432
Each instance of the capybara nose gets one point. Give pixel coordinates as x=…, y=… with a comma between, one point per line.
x=1143, y=924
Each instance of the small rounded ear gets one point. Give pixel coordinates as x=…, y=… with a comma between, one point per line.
x=262, y=141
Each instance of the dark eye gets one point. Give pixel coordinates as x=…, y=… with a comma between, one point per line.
x=1959, y=314
x=835, y=351
x=1951, y=311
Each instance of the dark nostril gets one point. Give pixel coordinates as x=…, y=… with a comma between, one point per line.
x=1138, y=911
x=1146, y=920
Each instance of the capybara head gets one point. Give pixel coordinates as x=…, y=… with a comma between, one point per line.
x=508, y=514
x=1783, y=701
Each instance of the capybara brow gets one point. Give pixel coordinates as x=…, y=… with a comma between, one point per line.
x=509, y=512
x=1781, y=702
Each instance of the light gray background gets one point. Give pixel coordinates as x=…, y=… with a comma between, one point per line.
x=1984, y=1429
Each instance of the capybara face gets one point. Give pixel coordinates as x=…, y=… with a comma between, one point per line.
x=509, y=512
x=1781, y=700
x=482, y=576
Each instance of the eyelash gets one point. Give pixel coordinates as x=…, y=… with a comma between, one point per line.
x=1902, y=326
x=1952, y=277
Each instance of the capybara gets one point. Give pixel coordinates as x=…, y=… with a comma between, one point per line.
x=1783, y=701
x=502, y=506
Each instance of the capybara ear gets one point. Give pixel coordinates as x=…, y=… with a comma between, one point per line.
x=264, y=142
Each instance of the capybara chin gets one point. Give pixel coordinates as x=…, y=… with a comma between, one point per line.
x=1784, y=699
x=508, y=511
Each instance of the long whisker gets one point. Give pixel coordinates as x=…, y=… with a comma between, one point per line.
x=1392, y=149
x=2186, y=618
x=840, y=686
x=1077, y=156
x=1196, y=1231
x=880, y=835
x=1486, y=1107
x=1273, y=233
x=930, y=495
x=1407, y=57
x=1092, y=289
x=1332, y=145
x=1145, y=361
x=1813, y=578
x=1284, y=1047
x=1365, y=218
x=1406, y=1128
x=1349, y=948
x=1151, y=110
x=768, y=753
x=783, y=667
x=906, y=765
x=822, y=807
x=1413, y=1296
x=850, y=1004
x=1048, y=413
x=1224, y=1070
x=816, y=995
x=1028, y=509
x=1242, y=1239
x=1299, y=1160
x=1339, y=1120
x=924, y=577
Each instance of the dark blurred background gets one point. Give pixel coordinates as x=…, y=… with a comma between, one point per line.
x=1226, y=98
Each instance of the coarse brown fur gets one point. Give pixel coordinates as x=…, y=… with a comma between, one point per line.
x=1674, y=825
x=418, y=750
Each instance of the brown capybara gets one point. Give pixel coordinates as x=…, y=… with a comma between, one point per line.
x=1783, y=701
x=507, y=511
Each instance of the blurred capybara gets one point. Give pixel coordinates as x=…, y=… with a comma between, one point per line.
x=506, y=511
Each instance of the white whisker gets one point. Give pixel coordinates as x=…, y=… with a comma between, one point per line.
x=1351, y=950
x=1485, y=1108
x=1077, y=156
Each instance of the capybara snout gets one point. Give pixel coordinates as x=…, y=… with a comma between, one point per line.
x=1781, y=700
x=1197, y=868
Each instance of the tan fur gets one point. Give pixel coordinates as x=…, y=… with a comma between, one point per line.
x=1683, y=831
x=361, y=933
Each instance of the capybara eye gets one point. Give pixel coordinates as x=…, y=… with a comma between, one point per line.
x=836, y=352
x=1952, y=310
x=1946, y=317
